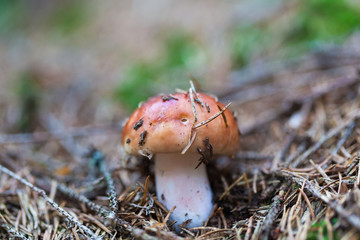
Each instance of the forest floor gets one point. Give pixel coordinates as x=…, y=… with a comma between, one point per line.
x=297, y=175
x=63, y=174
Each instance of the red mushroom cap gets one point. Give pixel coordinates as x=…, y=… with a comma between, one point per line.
x=164, y=124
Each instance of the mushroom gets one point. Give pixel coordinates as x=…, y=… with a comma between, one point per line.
x=162, y=128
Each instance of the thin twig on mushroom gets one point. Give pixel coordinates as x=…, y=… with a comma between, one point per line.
x=212, y=118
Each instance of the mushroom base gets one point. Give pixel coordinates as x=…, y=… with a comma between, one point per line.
x=179, y=184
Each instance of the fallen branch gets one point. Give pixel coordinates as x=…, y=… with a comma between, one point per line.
x=99, y=158
x=81, y=198
x=273, y=212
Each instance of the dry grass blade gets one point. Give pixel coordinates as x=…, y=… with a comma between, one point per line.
x=145, y=190
x=168, y=215
x=153, y=234
x=192, y=101
x=351, y=218
x=192, y=139
x=346, y=134
x=324, y=139
x=218, y=231
x=42, y=193
x=247, y=187
x=13, y=232
x=230, y=187
x=249, y=229
x=223, y=116
x=192, y=87
x=308, y=203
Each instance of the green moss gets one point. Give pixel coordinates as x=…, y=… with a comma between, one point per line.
x=179, y=50
x=137, y=84
x=144, y=79
x=69, y=16
x=247, y=42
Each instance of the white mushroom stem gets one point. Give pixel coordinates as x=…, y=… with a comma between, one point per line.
x=179, y=184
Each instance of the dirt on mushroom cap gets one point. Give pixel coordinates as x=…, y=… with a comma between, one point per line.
x=168, y=123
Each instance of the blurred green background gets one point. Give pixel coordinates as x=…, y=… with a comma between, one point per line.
x=130, y=50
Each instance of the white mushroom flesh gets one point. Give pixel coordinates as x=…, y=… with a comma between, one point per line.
x=179, y=184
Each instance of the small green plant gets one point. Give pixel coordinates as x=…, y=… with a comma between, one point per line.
x=29, y=96
x=319, y=231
